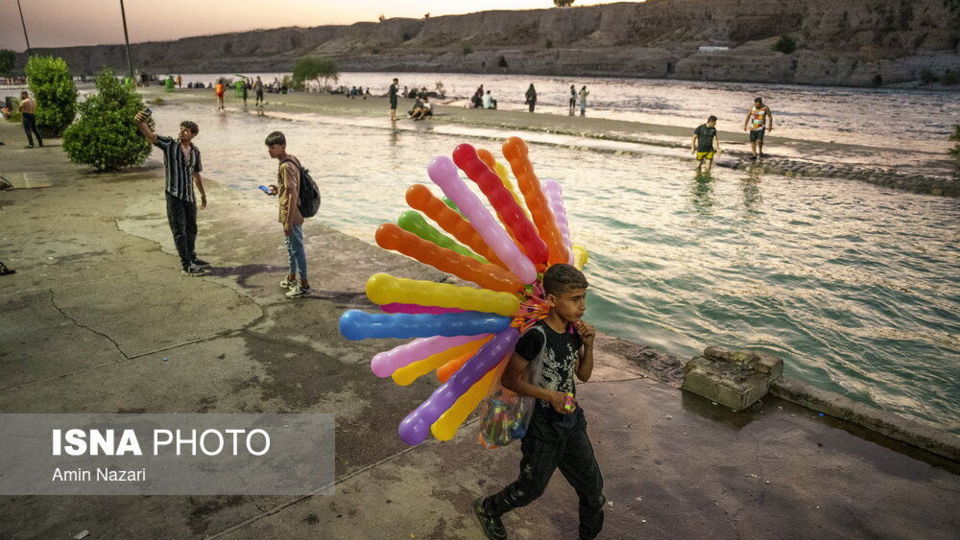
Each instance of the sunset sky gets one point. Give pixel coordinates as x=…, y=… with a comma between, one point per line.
x=59, y=23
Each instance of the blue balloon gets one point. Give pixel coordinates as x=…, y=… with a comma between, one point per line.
x=356, y=324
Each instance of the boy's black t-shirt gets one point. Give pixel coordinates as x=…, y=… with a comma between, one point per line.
x=705, y=135
x=557, y=373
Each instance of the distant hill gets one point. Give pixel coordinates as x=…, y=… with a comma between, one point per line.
x=839, y=42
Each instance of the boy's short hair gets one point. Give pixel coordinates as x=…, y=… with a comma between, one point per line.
x=276, y=138
x=712, y=118
x=561, y=278
x=758, y=99
x=192, y=126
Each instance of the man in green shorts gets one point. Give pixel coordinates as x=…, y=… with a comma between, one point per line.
x=705, y=144
x=393, y=99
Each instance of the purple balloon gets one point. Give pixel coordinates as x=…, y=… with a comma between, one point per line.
x=416, y=426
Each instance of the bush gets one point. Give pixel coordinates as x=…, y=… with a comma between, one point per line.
x=105, y=135
x=785, y=44
x=7, y=59
x=467, y=49
x=950, y=77
x=52, y=86
x=927, y=76
x=310, y=67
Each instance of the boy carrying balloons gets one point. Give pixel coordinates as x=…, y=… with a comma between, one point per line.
x=557, y=434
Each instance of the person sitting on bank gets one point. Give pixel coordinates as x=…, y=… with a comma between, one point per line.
x=488, y=101
x=424, y=111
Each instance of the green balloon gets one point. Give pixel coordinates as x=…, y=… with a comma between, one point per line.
x=413, y=222
x=453, y=206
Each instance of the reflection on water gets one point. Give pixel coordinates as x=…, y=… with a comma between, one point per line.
x=855, y=286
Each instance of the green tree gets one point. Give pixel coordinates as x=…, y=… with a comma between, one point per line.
x=52, y=86
x=313, y=68
x=105, y=135
x=7, y=59
x=562, y=3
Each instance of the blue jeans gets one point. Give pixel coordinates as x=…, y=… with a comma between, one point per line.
x=296, y=254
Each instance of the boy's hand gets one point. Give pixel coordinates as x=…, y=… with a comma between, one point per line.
x=273, y=189
x=140, y=117
x=203, y=201
x=287, y=229
x=559, y=401
x=587, y=332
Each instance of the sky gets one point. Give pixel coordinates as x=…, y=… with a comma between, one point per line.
x=64, y=23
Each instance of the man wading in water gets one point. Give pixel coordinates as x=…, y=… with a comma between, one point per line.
x=757, y=120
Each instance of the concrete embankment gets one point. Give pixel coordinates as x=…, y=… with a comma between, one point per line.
x=99, y=319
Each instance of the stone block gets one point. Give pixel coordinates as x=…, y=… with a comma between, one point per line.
x=735, y=379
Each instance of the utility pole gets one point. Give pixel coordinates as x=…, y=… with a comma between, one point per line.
x=126, y=38
x=24, y=28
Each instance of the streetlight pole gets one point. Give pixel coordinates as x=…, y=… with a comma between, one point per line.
x=126, y=38
x=24, y=28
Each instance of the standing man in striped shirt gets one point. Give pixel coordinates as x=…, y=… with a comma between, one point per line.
x=181, y=160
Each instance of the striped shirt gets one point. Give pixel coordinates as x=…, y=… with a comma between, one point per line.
x=179, y=168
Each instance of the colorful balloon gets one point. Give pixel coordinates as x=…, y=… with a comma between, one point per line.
x=413, y=222
x=411, y=372
x=356, y=324
x=501, y=171
x=447, y=370
x=580, y=257
x=385, y=363
x=509, y=212
x=488, y=276
x=416, y=426
x=554, y=193
x=420, y=198
x=515, y=150
x=416, y=308
x=444, y=173
x=449, y=422
x=385, y=289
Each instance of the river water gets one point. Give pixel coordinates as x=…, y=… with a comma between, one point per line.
x=855, y=286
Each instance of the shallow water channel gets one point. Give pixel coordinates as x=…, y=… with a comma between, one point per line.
x=855, y=286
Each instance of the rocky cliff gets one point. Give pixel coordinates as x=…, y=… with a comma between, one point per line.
x=847, y=42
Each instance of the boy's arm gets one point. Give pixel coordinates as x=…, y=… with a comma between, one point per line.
x=289, y=180
x=585, y=365
x=203, y=195
x=716, y=143
x=770, y=117
x=693, y=143
x=144, y=128
x=512, y=379
x=746, y=121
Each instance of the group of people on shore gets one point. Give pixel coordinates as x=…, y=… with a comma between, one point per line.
x=705, y=144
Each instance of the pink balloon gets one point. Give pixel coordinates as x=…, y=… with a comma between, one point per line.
x=554, y=193
x=444, y=173
x=385, y=363
x=417, y=308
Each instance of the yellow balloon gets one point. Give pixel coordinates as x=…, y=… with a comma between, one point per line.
x=386, y=289
x=411, y=372
x=580, y=257
x=449, y=422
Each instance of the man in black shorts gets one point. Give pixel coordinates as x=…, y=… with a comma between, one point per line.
x=757, y=120
x=393, y=99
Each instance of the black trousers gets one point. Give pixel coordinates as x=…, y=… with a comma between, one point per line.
x=30, y=128
x=182, y=216
x=550, y=445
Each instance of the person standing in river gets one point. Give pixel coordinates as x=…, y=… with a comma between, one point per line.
x=705, y=144
x=583, y=100
x=759, y=120
x=573, y=99
x=392, y=93
x=531, y=97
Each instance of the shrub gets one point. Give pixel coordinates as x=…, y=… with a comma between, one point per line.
x=950, y=76
x=311, y=67
x=7, y=59
x=467, y=49
x=52, y=86
x=105, y=136
x=927, y=76
x=785, y=44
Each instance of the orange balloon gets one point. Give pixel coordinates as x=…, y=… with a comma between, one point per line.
x=447, y=370
x=420, y=198
x=515, y=150
x=488, y=276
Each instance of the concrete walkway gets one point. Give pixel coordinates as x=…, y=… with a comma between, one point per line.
x=99, y=319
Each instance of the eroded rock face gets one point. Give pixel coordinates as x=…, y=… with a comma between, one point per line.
x=854, y=42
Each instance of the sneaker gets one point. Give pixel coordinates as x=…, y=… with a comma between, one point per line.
x=193, y=270
x=287, y=284
x=296, y=291
x=492, y=526
x=201, y=263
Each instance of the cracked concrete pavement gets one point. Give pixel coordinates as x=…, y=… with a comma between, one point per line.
x=99, y=319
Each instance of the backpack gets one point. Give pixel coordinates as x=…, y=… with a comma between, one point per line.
x=309, y=200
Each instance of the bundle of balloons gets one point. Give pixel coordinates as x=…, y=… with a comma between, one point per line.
x=466, y=334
